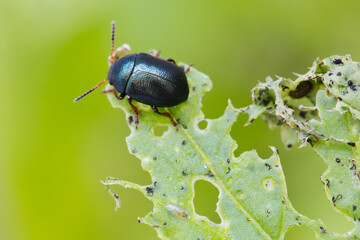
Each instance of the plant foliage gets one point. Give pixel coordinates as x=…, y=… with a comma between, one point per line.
x=319, y=107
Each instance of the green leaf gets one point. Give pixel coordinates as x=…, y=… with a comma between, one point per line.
x=253, y=201
x=326, y=115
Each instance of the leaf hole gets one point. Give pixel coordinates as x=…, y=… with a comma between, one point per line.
x=159, y=130
x=206, y=197
x=202, y=124
x=300, y=232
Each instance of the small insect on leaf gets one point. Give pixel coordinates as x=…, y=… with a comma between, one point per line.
x=301, y=90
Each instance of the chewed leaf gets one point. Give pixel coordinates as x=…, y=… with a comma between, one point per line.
x=334, y=125
x=342, y=179
x=322, y=107
x=253, y=202
x=343, y=79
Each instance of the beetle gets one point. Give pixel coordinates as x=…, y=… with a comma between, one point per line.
x=144, y=78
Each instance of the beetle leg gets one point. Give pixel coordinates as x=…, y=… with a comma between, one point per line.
x=156, y=110
x=135, y=110
x=171, y=60
x=120, y=97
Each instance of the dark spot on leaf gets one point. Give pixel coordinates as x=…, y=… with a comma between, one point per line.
x=351, y=144
x=330, y=74
x=228, y=160
x=209, y=173
x=302, y=114
x=184, y=142
x=251, y=120
x=340, y=98
x=194, y=88
x=184, y=126
x=334, y=199
x=130, y=120
x=229, y=169
x=150, y=191
x=268, y=212
x=268, y=165
x=182, y=188
x=116, y=196
x=184, y=173
x=327, y=182
x=134, y=150
x=322, y=229
x=289, y=145
x=353, y=166
x=155, y=183
x=337, y=61
x=154, y=158
x=164, y=223
x=139, y=221
x=338, y=74
x=337, y=160
x=155, y=226
x=310, y=141
x=354, y=208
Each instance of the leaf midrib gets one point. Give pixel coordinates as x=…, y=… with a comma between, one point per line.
x=222, y=184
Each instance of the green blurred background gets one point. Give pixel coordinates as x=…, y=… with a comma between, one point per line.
x=54, y=152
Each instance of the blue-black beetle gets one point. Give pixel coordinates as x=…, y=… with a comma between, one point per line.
x=145, y=78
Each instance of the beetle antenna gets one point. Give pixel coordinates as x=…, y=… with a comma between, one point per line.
x=91, y=90
x=112, y=39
